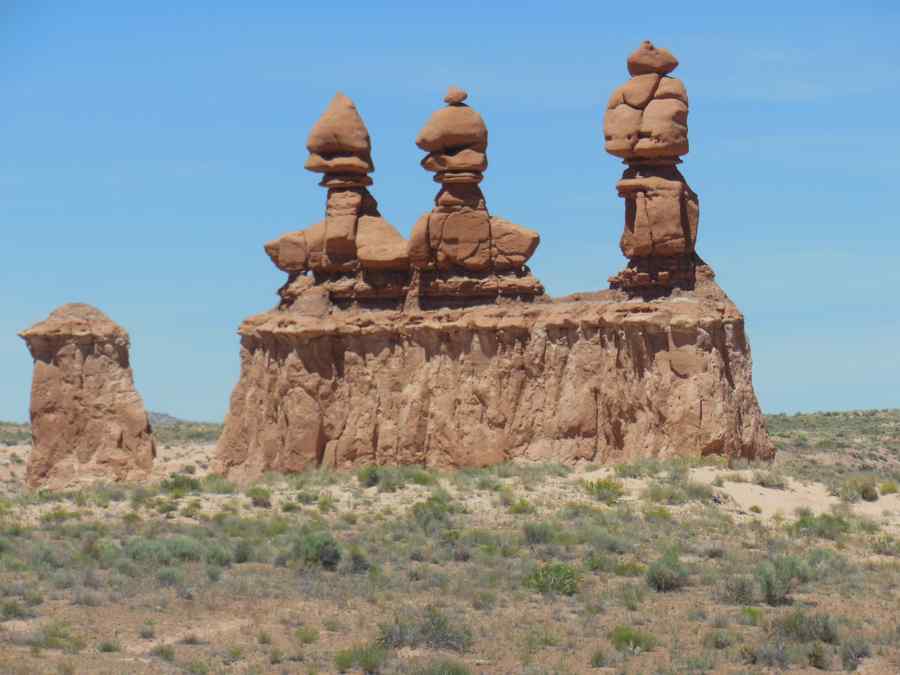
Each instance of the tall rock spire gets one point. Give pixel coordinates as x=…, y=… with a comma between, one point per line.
x=645, y=124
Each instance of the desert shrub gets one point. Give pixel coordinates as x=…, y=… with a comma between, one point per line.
x=632, y=640
x=738, y=589
x=599, y=659
x=853, y=651
x=164, y=652
x=679, y=491
x=260, y=497
x=178, y=485
x=857, y=487
x=668, y=573
x=606, y=490
x=218, y=555
x=603, y=540
x=217, y=485
x=823, y=526
x=751, y=616
x=769, y=479
x=13, y=609
x=433, y=514
x=243, y=551
x=368, y=476
x=317, y=547
x=109, y=646
x=170, y=576
x=772, y=654
x=556, y=578
x=442, y=666
x=539, y=533
x=777, y=577
x=886, y=545
x=306, y=635
x=718, y=638
x=369, y=658
x=56, y=635
x=888, y=487
x=521, y=507
x=799, y=626
x=640, y=468
x=631, y=595
x=432, y=628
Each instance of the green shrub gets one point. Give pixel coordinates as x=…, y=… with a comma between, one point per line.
x=858, y=487
x=317, y=547
x=628, y=568
x=778, y=576
x=802, y=627
x=769, y=479
x=557, y=578
x=243, y=551
x=632, y=595
x=306, y=635
x=368, y=476
x=718, y=639
x=823, y=526
x=442, y=666
x=751, y=616
x=667, y=573
x=178, y=485
x=598, y=659
x=369, y=658
x=633, y=640
x=56, y=635
x=606, y=490
x=521, y=507
x=170, y=576
x=738, y=589
x=432, y=628
x=218, y=485
x=109, y=646
x=433, y=514
x=260, y=497
x=853, y=651
x=165, y=652
x=888, y=487
x=539, y=533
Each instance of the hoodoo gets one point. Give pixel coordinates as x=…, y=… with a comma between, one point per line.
x=447, y=353
x=87, y=420
x=646, y=125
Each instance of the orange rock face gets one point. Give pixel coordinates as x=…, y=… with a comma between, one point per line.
x=645, y=123
x=459, y=249
x=600, y=379
x=88, y=421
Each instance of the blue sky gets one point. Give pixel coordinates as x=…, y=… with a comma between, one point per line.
x=147, y=154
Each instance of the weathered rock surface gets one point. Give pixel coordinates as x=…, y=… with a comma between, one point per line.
x=597, y=378
x=88, y=421
x=645, y=123
x=354, y=253
x=459, y=249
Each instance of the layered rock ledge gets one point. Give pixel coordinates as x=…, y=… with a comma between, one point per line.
x=597, y=377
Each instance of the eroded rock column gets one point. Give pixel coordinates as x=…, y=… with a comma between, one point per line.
x=646, y=125
x=87, y=420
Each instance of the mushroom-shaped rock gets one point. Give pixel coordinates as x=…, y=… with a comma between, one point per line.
x=88, y=421
x=649, y=59
x=456, y=126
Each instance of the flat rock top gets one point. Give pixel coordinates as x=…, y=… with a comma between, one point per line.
x=707, y=305
x=76, y=320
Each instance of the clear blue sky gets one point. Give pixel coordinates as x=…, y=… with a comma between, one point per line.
x=147, y=154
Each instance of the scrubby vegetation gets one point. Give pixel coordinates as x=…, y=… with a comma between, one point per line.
x=647, y=568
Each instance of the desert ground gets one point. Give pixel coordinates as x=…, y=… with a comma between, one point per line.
x=661, y=566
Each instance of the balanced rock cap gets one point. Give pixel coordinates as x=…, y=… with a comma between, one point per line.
x=340, y=129
x=455, y=96
x=76, y=320
x=649, y=59
x=456, y=126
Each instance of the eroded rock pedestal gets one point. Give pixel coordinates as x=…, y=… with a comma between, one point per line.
x=459, y=250
x=646, y=124
x=87, y=420
x=600, y=378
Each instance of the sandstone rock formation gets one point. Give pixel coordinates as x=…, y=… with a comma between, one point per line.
x=470, y=364
x=353, y=253
x=646, y=124
x=599, y=378
x=88, y=422
x=459, y=249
